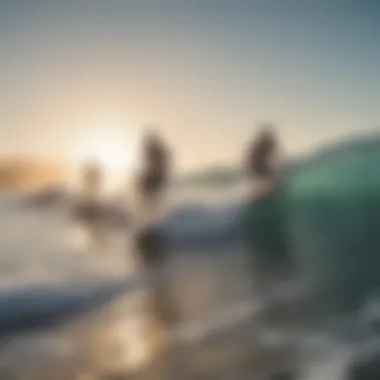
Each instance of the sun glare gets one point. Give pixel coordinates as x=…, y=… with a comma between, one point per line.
x=108, y=154
x=117, y=156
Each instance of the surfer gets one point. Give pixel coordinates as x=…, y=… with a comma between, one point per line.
x=155, y=170
x=149, y=240
x=88, y=210
x=92, y=178
x=260, y=161
x=266, y=216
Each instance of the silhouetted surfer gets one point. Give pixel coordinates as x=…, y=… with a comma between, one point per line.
x=88, y=210
x=150, y=243
x=155, y=169
x=92, y=180
x=260, y=161
x=265, y=209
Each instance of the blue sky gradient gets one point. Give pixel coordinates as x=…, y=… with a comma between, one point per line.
x=207, y=71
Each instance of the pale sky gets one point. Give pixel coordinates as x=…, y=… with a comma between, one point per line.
x=206, y=71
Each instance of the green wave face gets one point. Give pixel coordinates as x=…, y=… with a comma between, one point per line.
x=329, y=215
x=352, y=172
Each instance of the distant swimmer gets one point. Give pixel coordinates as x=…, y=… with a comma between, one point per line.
x=155, y=172
x=92, y=179
x=260, y=160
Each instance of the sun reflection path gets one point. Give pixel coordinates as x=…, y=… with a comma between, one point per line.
x=138, y=350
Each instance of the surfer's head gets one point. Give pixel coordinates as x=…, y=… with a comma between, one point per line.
x=266, y=137
x=152, y=139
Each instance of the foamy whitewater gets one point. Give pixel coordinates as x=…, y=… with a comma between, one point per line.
x=73, y=303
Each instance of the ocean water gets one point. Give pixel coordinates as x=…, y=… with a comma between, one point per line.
x=70, y=321
x=62, y=313
x=75, y=302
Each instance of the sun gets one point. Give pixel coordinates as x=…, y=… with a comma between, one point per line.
x=117, y=156
x=109, y=154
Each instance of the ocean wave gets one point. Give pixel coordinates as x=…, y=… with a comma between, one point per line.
x=332, y=214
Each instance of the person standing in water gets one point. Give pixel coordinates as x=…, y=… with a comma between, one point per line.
x=149, y=241
x=92, y=181
x=88, y=210
x=266, y=217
